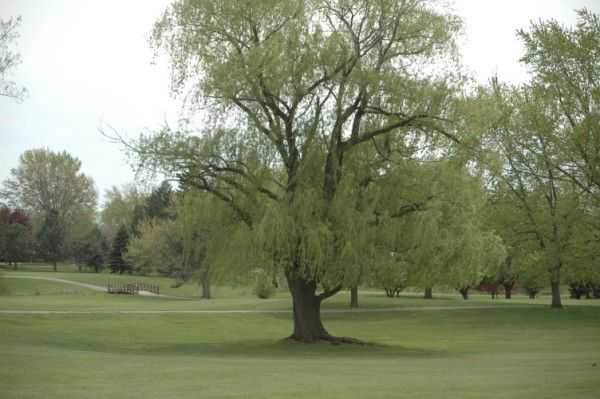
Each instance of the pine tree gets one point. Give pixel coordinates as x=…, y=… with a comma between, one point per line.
x=117, y=263
x=157, y=204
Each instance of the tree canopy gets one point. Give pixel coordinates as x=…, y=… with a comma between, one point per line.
x=47, y=181
x=60, y=198
x=312, y=105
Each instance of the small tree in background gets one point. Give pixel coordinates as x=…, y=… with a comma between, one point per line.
x=156, y=249
x=90, y=250
x=263, y=287
x=159, y=201
x=137, y=219
x=391, y=275
x=51, y=238
x=51, y=187
x=119, y=208
x=119, y=248
x=183, y=247
x=16, y=240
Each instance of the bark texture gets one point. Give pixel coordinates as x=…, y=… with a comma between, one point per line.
x=428, y=293
x=354, y=297
x=307, y=313
x=556, y=300
x=205, y=282
x=508, y=289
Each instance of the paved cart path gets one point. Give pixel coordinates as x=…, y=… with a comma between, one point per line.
x=225, y=311
x=85, y=285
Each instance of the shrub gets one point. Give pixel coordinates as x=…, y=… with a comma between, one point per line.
x=532, y=291
x=533, y=277
x=579, y=289
x=264, y=287
x=393, y=291
x=595, y=287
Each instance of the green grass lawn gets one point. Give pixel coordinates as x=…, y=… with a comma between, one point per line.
x=523, y=351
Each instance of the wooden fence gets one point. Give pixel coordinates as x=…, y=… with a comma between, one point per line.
x=132, y=288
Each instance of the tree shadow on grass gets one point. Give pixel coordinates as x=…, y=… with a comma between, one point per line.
x=267, y=349
x=284, y=349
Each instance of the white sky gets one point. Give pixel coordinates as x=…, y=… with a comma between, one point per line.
x=88, y=63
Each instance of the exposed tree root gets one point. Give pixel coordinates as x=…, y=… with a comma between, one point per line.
x=343, y=340
x=333, y=340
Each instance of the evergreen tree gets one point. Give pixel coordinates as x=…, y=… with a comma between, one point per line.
x=139, y=214
x=157, y=204
x=119, y=247
x=90, y=250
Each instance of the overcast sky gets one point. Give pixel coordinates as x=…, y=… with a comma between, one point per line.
x=88, y=63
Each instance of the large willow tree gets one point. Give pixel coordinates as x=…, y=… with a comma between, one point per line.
x=291, y=93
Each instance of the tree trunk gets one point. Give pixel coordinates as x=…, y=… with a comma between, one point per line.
x=14, y=265
x=354, y=297
x=54, y=265
x=428, y=293
x=307, y=312
x=205, y=281
x=464, y=292
x=508, y=290
x=556, y=301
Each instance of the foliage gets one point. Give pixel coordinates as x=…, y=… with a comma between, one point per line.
x=9, y=59
x=91, y=250
x=47, y=181
x=118, y=261
x=532, y=277
x=526, y=185
x=120, y=209
x=51, y=238
x=138, y=217
x=16, y=237
x=564, y=61
x=546, y=146
x=579, y=289
x=334, y=116
x=308, y=101
x=188, y=244
x=263, y=287
x=159, y=201
x=157, y=248
x=392, y=276
x=60, y=199
x=131, y=207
